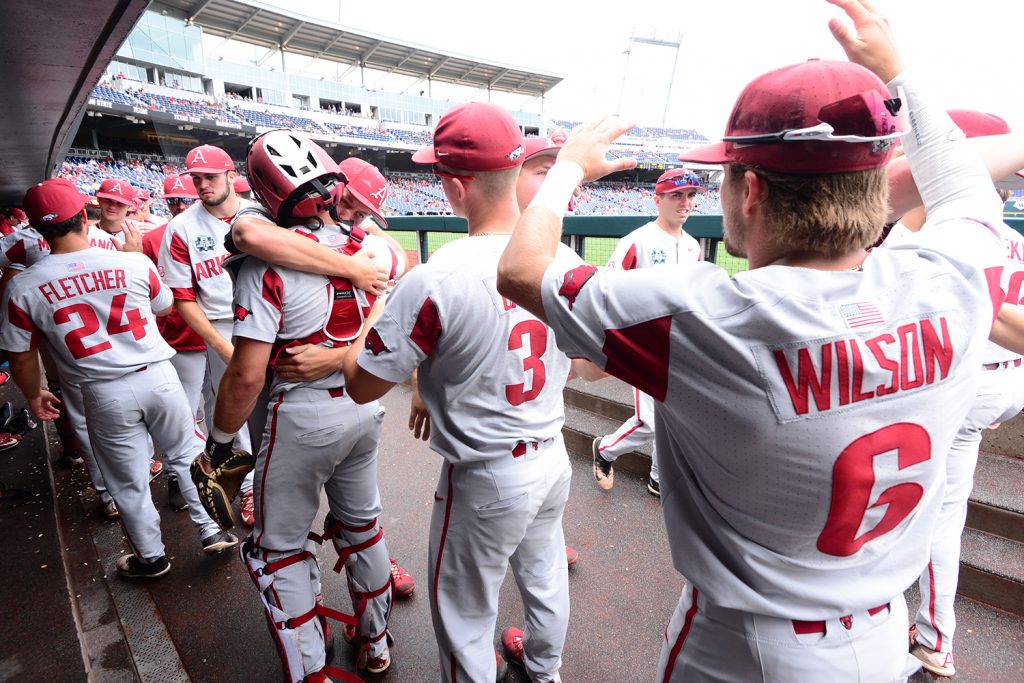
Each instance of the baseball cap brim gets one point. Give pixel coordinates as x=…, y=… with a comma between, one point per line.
x=207, y=169
x=115, y=197
x=714, y=153
x=425, y=156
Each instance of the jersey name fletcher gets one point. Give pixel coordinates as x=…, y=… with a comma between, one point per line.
x=83, y=283
x=826, y=375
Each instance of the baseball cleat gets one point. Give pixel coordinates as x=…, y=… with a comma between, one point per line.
x=604, y=475
x=174, y=497
x=132, y=567
x=572, y=556
x=378, y=664
x=109, y=510
x=512, y=644
x=247, y=509
x=402, y=581
x=938, y=663
x=218, y=542
x=501, y=672
x=155, y=469
x=653, y=487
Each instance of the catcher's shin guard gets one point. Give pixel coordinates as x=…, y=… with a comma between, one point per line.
x=217, y=489
x=364, y=555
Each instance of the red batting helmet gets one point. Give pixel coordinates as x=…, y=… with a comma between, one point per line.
x=292, y=176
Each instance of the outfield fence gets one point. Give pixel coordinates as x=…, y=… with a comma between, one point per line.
x=592, y=237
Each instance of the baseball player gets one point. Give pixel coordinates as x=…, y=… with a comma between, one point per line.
x=190, y=260
x=189, y=358
x=144, y=220
x=805, y=407
x=95, y=308
x=1000, y=396
x=658, y=243
x=492, y=380
x=116, y=198
x=12, y=219
x=242, y=188
x=316, y=438
x=18, y=251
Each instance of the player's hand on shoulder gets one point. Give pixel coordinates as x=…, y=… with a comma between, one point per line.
x=419, y=418
x=366, y=274
x=587, y=145
x=44, y=406
x=307, y=362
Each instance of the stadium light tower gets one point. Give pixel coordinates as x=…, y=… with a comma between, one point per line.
x=676, y=44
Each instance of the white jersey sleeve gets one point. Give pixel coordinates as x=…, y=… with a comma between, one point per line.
x=22, y=248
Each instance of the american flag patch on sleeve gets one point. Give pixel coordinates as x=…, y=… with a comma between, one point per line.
x=861, y=314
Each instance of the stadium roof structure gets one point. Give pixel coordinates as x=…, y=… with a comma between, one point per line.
x=272, y=27
x=48, y=71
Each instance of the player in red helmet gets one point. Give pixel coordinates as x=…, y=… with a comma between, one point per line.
x=317, y=439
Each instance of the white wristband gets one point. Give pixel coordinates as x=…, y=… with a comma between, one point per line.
x=558, y=187
x=221, y=437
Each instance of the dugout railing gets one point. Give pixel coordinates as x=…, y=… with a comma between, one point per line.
x=592, y=237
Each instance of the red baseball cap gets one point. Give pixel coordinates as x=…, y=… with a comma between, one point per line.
x=477, y=136
x=141, y=196
x=17, y=214
x=179, y=186
x=543, y=147
x=976, y=124
x=366, y=184
x=678, y=179
x=208, y=159
x=118, y=190
x=241, y=185
x=52, y=201
x=815, y=117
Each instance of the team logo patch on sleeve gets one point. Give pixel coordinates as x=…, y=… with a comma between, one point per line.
x=574, y=281
x=375, y=344
x=241, y=313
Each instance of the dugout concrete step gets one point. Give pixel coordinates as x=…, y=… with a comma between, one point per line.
x=997, y=501
x=992, y=570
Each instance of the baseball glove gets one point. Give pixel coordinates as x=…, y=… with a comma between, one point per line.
x=218, y=480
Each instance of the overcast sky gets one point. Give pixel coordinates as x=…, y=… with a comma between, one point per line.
x=968, y=54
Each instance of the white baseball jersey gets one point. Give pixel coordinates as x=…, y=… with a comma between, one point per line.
x=649, y=245
x=288, y=307
x=95, y=309
x=447, y=319
x=806, y=414
x=192, y=257
x=24, y=247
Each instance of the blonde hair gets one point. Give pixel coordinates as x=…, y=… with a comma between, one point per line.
x=829, y=214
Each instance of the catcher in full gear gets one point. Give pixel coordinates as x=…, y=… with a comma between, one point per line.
x=316, y=438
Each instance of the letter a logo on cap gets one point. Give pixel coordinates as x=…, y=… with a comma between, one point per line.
x=116, y=187
x=380, y=194
x=198, y=156
x=178, y=185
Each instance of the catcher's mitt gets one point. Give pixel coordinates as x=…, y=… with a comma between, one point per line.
x=217, y=488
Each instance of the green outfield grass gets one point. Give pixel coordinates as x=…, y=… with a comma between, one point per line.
x=596, y=250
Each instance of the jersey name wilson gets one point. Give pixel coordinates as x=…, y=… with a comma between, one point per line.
x=826, y=375
x=83, y=283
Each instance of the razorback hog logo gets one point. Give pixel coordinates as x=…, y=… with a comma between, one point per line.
x=375, y=344
x=241, y=312
x=574, y=281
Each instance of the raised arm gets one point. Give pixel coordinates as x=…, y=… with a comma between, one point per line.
x=533, y=244
x=275, y=245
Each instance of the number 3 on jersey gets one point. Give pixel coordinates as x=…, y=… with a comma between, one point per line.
x=90, y=324
x=534, y=333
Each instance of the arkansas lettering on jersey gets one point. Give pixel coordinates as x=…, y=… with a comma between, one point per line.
x=22, y=248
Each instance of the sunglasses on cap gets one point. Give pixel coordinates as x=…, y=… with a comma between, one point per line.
x=451, y=176
x=683, y=180
x=174, y=201
x=842, y=121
